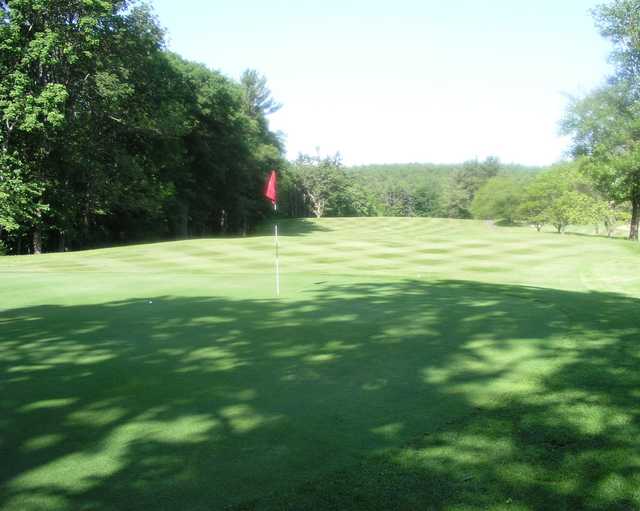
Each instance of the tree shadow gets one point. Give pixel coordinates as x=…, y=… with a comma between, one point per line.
x=291, y=227
x=602, y=235
x=618, y=236
x=366, y=396
x=506, y=223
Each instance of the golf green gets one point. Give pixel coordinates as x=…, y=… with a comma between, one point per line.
x=407, y=364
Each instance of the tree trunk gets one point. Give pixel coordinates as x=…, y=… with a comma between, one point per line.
x=85, y=226
x=635, y=218
x=37, y=241
x=223, y=221
x=62, y=245
x=183, y=221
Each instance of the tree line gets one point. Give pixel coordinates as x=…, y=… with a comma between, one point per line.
x=559, y=196
x=105, y=136
x=315, y=185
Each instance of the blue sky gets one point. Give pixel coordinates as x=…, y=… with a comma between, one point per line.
x=404, y=80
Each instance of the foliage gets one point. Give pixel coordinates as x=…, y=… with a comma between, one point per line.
x=605, y=127
x=559, y=196
x=321, y=181
x=402, y=190
x=323, y=184
x=257, y=95
x=619, y=21
x=413, y=189
x=498, y=199
x=105, y=136
x=464, y=184
x=605, y=124
x=571, y=207
x=357, y=201
x=533, y=208
x=19, y=200
x=430, y=190
x=613, y=216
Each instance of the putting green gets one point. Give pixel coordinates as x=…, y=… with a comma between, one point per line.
x=408, y=363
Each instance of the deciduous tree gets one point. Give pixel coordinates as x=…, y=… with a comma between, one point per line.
x=605, y=126
x=498, y=199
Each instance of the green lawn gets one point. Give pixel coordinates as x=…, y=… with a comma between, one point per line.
x=408, y=364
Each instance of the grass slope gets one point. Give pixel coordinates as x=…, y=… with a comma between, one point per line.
x=409, y=363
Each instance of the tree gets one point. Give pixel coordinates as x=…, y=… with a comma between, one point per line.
x=399, y=200
x=465, y=182
x=498, y=199
x=257, y=94
x=402, y=189
x=533, y=208
x=121, y=132
x=358, y=201
x=605, y=124
x=559, y=196
x=230, y=153
x=69, y=68
x=572, y=207
x=104, y=135
x=613, y=216
x=47, y=52
x=323, y=183
x=18, y=200
x=619, y=21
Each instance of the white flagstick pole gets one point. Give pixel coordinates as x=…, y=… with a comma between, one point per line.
x=275, y=208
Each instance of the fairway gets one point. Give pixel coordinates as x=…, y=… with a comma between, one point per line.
x=409, y=363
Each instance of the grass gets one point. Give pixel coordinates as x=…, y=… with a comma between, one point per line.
x=409, y=364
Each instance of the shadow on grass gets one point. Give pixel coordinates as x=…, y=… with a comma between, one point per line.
x=617, y=236
x=507, y=223
x=370, y=396
x=603, y=235
x=290, y=227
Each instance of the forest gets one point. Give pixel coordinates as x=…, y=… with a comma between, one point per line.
x=558, y=196
x=107, y=137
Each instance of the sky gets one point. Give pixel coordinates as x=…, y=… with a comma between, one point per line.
x=404, y=80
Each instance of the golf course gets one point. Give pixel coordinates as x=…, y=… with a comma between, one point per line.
x=408, y=363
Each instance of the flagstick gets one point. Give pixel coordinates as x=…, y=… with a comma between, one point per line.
x=275, y=209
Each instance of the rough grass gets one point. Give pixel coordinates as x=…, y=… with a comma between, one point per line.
x=409, y=364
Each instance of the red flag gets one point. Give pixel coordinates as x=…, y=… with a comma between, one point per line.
x=270, y=188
